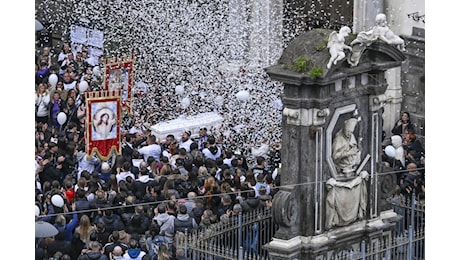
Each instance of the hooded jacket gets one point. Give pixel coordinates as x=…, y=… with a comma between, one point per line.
x=184, y=221
x=166, y=223
x=252, y=203
x=134, y=253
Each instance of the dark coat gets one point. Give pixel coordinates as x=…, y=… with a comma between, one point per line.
x=112, y=223
x=222, y=209
x=138, y=223
x=127, y=153
x=397, y=130
x=140, y=187
x=182, y=222
x=252, y=203
x=50, y=173
x=65, y=247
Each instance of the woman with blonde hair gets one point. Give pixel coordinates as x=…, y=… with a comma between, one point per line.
x=166, y=169
x=163, y=252
x=84, y=229
x=42, y=100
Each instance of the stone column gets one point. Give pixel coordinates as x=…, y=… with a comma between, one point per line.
x=393, y=100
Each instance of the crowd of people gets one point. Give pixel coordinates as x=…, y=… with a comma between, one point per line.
x=405, y=154
x=132, y=205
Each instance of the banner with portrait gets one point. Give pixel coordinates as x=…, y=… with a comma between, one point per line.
x=103, y=134
x=119, y=76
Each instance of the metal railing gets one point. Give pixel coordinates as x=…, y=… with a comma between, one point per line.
x=243, y=237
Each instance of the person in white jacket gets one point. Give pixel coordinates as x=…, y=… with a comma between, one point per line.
x=42, y=100
x=84, y=163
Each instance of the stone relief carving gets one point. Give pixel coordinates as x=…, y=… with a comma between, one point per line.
x=345, y=152
x=285, y=213
x=346, y=201
x=306, y=117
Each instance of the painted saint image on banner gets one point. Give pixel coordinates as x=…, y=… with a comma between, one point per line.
x=104, y=120
x=119, y=79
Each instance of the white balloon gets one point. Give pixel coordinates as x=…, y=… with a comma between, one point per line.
x=390, y=151
x=219, y=100
x=97, y=71
x=83, y=86
x=37, y=211
x=57, y=201
x=185, y=103
x=180, y=89
x=53, y=79
x=61, y=118
x=243, y=95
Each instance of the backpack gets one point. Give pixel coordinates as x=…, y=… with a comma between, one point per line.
x=153, y=244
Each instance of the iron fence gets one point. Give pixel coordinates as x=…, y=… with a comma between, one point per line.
x=243, y=237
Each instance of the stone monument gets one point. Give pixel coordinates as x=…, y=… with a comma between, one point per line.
x=331, y=197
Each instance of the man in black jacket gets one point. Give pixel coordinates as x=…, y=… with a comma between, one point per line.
x=128, y=147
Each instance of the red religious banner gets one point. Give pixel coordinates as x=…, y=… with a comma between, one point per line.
x=119, y=76
x=103, y=125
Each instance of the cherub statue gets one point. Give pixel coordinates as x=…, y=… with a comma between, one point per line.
x=380, y=31
x=336, y=45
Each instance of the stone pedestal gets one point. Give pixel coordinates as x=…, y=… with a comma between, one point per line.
x=335, y=242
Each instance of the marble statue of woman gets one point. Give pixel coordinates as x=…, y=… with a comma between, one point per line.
x=336, y=45
x=345, y=152
x=380, y=31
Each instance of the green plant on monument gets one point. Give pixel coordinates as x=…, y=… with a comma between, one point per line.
x=322, y=45
x=301, y=64
x=315, y=72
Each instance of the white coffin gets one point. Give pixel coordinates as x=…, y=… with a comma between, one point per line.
x=183, y=123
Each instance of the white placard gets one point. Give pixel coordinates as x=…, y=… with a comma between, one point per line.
x=95, y=38
x=78, y=34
